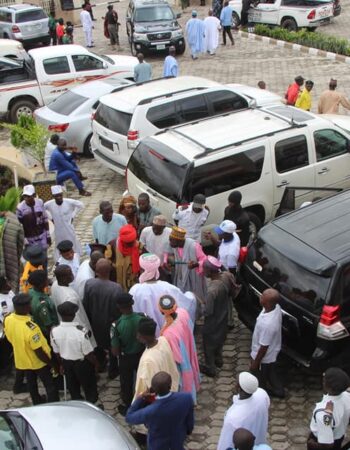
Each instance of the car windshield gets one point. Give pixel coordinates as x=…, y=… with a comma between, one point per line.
x=112, y=119
x=66, y=103
x=153, y=163
x=105, y=57
x=29, y=16
x=154, y=14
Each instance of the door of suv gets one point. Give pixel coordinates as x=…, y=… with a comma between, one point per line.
x=292, y=165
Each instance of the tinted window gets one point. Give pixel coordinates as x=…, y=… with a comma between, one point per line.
x=154, y=14
x=5, y=17
x=163, y=116
x=305, y=288
x=67, y=103
x=160, y=167
x=192, y=108
x=329, y=143
x=112, y=119
x=86, y=62
x=291, y=154
x=228, y=173
x=8, y=437
x=29, y=16
x=58, y=65
x=224, y=101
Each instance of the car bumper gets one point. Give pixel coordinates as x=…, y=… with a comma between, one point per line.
x=159, y=45
x=107, y=161
x=33, y=40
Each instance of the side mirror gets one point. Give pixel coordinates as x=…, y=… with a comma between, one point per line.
x=178, y=15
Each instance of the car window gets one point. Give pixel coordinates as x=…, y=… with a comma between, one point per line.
x=57, y=65
x=112, y=119
x=227, y=173
x=291, y=154
x=163, y=116
x=192, y=108
x=225, y=101
x=329, y=143
x=5, y=17
x=29, y=16
x=86, y=62
x=66, y=103
x=8, y=437
x=154, y=14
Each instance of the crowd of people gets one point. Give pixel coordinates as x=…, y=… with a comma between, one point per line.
x=135, y=308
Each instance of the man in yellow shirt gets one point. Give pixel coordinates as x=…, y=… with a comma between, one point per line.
x=32, y=353
x=304, y=99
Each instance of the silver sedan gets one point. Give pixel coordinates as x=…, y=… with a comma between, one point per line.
x=70, y=114
x=71, y=425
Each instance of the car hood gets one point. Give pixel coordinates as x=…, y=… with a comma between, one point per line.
x=124, y=62
x=342, y=121
x=260, y=97
x=74, y=424
x=154, y=27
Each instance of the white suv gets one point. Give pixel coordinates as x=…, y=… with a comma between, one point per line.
x=125, y=117
x=258, y=151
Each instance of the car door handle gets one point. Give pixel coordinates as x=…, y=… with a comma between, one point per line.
x=283, y=183
x=323, y=170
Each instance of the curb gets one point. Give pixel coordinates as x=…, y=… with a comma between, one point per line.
x=296, y=47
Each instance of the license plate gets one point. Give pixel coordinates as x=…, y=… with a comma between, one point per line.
x=161, y=47
x=106, y=144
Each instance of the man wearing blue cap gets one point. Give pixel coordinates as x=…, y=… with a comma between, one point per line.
x=195, y=35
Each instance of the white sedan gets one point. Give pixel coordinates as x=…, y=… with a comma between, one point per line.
x=11, y=49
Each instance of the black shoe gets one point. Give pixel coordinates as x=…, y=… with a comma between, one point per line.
x=20, y=389
x=140, y=438
x=122, y=410
x=207, y=371
x=219, y=363
x=276, y=394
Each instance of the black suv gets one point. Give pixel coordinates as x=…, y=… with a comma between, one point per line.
x=305, y=254
x=152, y=25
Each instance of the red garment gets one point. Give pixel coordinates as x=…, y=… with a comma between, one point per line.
x=59, y=30
x=292, y=94
x=128, y=234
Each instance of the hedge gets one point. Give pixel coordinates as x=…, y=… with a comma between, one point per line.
x=307, y=38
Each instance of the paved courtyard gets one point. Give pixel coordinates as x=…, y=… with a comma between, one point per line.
x=246, y=62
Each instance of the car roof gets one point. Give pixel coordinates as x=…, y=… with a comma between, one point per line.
x=128, y=99
x=323, y=225
x=96, y=88
x=69, y=49
x=21, y=6
x=262, y=96
x=141, y=3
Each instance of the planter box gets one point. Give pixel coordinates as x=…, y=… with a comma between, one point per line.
x=43, y=183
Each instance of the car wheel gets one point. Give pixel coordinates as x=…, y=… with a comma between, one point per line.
x=254, y=225
x=87, y=151
x=181, y=50
x=235, y=20
x=6, y=36
x=46, y=42
x=132, y=47
x=289, y=24
x=21, y=107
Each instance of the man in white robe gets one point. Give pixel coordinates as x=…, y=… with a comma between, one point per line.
x=86, y=21
x=195, y=35
x=155, y=238
x=62, y=211
x=86, y=272
x=211, y=29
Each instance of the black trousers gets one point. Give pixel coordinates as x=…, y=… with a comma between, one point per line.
x=227, y=30
x=336, y=446
x=270, y=380
x=45, y=376
x=81, y=374
x=212, y=352
x=101, y=356
x=128, y=365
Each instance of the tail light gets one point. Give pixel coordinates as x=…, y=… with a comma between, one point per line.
x=93, y=115
x=60, y=128
x=133, y=139
x=312, y=14
x=181, y=204
x=243, y=253
x=330, y=327
x=15, y=29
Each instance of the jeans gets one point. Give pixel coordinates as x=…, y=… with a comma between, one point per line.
x=45, y=376
x=69, y=174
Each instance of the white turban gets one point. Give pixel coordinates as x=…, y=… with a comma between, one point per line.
x=248, y=382
x=150, y=264
x=56, y=190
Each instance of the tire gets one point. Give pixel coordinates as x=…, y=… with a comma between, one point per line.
x=87, y=152
x=46, y=42
x=255, y=225
x=181, y=50
x=132, y=47
x=289, y=24
x=235, y=20
x=21, y=107
x=6, y=36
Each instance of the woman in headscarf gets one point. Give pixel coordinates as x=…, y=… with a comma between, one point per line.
x=178, y=331
x=147, y=292
x=128, y=207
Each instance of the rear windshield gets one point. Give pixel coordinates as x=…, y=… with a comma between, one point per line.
x=154, y=14
x=29, y=16
x=66, y=103
x=306, y=289
x=117, y=121
x=160, y=168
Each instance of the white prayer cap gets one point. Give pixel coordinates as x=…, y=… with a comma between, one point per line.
x=227, y=226
x=248, y=382
x=29, y=189
x=56, y=190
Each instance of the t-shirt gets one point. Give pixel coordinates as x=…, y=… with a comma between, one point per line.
x=155, y=244
x=105, y=232
x=123, y=333
x=71, y=341
x=229, y=252
x=240, y=217
x=25, y=337
x=191, y=221
x=142, y=72
x=268, y=331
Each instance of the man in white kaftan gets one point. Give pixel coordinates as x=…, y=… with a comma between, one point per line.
x=211, y=29
x=62, y=212
x=195, y=35
x=86, y=21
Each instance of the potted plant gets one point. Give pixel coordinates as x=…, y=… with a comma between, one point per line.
x=31, y=139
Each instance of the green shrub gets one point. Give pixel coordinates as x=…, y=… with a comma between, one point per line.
x=307, y=38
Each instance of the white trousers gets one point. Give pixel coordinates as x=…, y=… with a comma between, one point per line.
x=88, y=37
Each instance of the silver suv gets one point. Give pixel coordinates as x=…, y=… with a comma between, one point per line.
x=24, y=22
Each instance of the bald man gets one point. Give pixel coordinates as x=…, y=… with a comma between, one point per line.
x=100, y=303
x=266, y=343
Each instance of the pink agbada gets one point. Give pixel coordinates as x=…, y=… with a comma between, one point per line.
x=180, y=337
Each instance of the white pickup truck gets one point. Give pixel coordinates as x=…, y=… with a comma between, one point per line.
x=289, y=14
x=47, y=72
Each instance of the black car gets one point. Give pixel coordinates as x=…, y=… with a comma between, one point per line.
x=152, y=26
x=305, y=254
